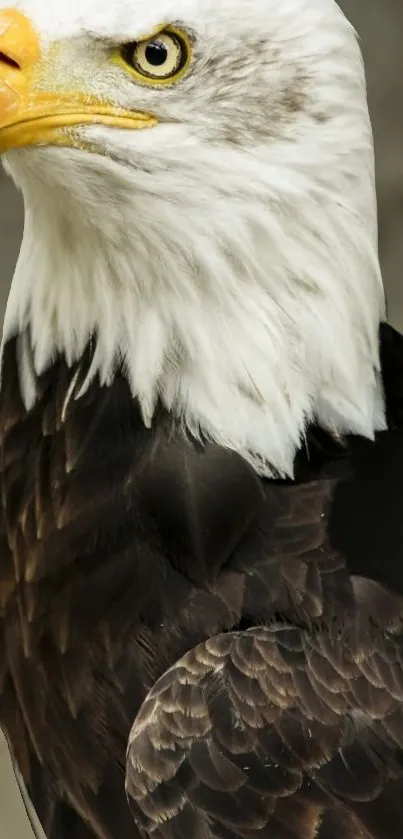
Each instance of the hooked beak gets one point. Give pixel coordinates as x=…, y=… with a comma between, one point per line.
x=32, y=115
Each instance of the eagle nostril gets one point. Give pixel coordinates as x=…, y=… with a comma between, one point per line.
x=6, y=59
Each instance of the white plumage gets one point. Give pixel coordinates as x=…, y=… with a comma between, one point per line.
x=227, y=255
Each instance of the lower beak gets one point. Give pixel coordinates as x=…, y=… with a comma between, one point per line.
x=29, y=116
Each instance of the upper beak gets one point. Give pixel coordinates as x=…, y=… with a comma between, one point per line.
x=30, y=114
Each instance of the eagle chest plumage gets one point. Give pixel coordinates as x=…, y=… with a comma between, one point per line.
x=123, y=548
x=106, y=579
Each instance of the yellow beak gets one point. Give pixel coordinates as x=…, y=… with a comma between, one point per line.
x=29, y=115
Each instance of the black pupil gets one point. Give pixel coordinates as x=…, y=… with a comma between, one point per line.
x=156, y=53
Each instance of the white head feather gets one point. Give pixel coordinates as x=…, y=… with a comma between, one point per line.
x=229, y=254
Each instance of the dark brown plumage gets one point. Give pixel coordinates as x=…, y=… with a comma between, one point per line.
x=124, y=550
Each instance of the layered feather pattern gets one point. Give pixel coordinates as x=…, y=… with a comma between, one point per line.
x=251, y=629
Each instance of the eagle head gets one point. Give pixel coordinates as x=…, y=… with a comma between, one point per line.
x=198, y=181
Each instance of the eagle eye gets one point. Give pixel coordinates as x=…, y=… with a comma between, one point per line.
x=160, y=59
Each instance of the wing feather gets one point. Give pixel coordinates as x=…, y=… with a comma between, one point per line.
x=123, y=547
x=254, y=729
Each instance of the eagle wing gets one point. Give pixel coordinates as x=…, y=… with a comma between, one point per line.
x=95, y=508
x=277, y=732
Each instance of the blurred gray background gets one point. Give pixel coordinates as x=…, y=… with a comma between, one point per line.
x=380, y=26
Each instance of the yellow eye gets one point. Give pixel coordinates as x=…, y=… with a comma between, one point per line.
x=161, y=59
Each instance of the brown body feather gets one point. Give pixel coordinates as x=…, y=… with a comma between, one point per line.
x=125, y=549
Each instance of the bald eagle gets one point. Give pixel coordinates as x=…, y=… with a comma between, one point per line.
x=201, y=419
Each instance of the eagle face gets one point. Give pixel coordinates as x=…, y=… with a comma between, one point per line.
x=241, y=76
x=221, y=98
x=199, y=195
